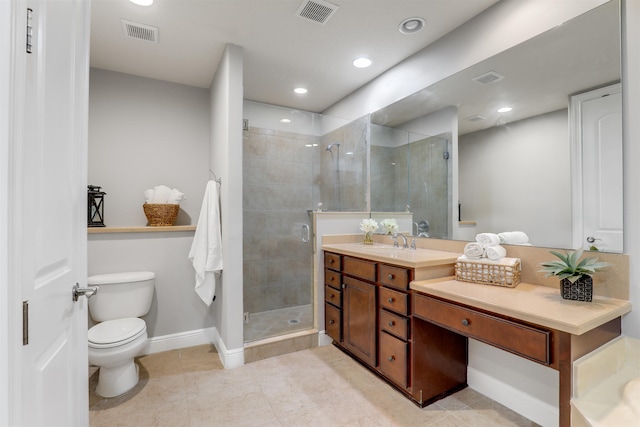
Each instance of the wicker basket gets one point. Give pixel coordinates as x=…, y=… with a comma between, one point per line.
x=505, y=272
x=160, y=215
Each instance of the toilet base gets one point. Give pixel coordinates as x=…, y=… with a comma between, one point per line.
x=114, y=381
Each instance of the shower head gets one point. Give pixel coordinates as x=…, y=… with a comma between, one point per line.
x=330, y=146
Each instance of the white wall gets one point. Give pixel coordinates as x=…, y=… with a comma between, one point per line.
x=225, y=160
x=145, y=132
x=142, y=133
x=496, y=188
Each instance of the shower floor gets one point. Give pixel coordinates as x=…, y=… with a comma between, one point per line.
x=267, y=324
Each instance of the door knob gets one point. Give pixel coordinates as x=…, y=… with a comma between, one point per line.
x=591, y=239
x=88, y=292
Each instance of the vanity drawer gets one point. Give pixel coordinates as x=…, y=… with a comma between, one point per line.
x=333, y=296
x=394, y=324
x=333, y=322
x=332, y=278
x=394, y=277
x=359, y=268
x=517, y=338
x=394, y=300
x=393, y=358
x=332, y=261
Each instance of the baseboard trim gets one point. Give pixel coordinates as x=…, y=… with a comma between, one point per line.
x=324, y=339
x=230, y=358
x=180, y=340
x=522, y=403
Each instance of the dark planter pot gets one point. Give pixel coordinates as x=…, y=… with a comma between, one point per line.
x=580, y=290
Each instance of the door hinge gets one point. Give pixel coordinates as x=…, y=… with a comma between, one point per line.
x=25, y=322
x=29, y=29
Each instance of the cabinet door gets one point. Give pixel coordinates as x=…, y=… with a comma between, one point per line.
x=359, y=317
x=333, y=322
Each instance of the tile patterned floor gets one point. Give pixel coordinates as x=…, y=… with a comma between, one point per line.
x=317, y=387
x=278, y=322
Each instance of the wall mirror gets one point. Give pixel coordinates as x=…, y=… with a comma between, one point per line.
x=533, y=172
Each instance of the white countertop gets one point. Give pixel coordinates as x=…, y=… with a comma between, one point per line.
x=531, y=303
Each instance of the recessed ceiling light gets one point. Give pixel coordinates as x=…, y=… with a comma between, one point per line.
x=412, y=25
x=361, y=62
x=300, y=90
x=285, y=120
x=504, y=109
x=142, y=2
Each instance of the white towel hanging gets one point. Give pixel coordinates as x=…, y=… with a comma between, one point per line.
x=206, y=249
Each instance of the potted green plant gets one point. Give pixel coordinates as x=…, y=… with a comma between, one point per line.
x=575, y=274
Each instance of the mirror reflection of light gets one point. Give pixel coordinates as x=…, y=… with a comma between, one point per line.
x=504, y=109
x=349, y=153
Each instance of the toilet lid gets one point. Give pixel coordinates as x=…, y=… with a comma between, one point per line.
x=113, y=333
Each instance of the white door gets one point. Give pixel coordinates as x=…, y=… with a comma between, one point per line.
x=47, y=211
x=600, y=129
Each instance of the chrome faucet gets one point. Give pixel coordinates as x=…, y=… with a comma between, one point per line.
x=405, y=243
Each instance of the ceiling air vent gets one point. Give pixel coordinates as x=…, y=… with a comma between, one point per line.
x=140, y=31
x=318, y=11
x=490, y=77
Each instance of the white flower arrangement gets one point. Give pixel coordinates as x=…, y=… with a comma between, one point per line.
x=389, y=225
x=369, y=225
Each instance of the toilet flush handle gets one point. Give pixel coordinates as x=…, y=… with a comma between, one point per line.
x=88, y=292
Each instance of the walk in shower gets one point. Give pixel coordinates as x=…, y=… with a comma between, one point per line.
x=289, y=167
x=411, y=172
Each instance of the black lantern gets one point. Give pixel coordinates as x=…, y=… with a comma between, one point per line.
x=95, y=211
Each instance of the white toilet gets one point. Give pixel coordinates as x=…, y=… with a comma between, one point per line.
x=121, y=335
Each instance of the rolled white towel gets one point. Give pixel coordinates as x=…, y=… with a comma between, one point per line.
x=161, y=194
x=495, y=252
x=148, y=195
x=513, y=238
x=474, y=250
x=487, y=239
x=175, y=197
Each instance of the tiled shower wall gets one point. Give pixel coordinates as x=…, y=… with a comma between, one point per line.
x=278, y=177
x=352, y=193
x=416, y=174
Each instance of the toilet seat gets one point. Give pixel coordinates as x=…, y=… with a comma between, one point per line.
x=114, y=333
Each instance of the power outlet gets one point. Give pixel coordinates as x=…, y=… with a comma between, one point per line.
x=246, y=317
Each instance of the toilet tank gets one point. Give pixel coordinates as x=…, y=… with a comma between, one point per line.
x=121, y=295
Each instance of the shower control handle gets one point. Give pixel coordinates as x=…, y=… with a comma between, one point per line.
x=306, y=233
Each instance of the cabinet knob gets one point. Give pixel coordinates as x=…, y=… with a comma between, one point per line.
x=391, y=277
x=390, y=300
x=344, y=286
x=391, y=323
x=332, y=279
x=465, y=322
x=331, y=295
x=331, y=322
x=330, y=261
x=391, y=358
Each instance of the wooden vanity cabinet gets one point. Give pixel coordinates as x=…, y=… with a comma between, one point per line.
x=394, y=326
x=374, y=305
x=333, y=296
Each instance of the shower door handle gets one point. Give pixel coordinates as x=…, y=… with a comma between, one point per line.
x=306, y=233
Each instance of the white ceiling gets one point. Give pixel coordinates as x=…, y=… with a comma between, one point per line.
x=281, y=50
